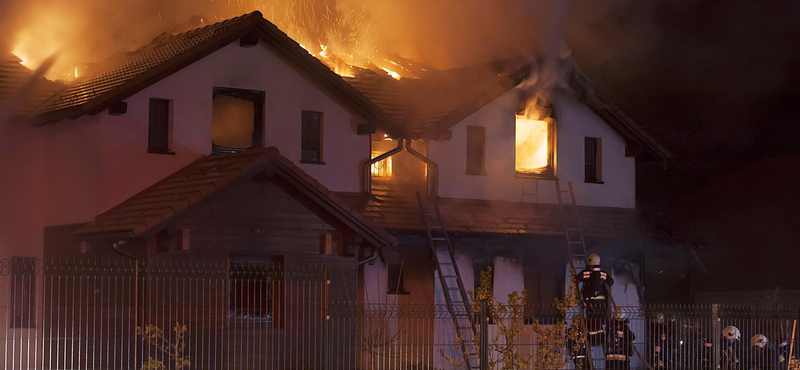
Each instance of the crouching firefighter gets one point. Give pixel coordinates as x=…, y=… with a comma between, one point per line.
x=619, y=343
x=576, y=344
x=764, y=355
x=731, y=348
x=593, y=292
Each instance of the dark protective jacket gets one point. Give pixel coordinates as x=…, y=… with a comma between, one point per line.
x=619, y=341
x=767, y=358
x=578, y=351
x=593, y=278
x=731, y=354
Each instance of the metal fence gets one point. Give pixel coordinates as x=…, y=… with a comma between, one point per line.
x=83, y=314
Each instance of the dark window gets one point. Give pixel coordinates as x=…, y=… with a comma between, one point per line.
x=543, y=279
x=237, y=120
x=476, y=150
x=23, y=292
x=478, y=268
x=395, y=279
x=159, y=126
x=593, y=159
x=311, y=146
x=256, y=291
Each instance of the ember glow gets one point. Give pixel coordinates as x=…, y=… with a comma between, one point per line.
x=382, y=168
x=341, y=39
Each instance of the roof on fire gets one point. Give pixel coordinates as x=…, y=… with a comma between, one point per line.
x=409, y=108
x=157, y=205
x=17, y=80
x=128, y=74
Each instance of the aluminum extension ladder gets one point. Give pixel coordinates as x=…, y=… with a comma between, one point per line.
x=576, y=250
x=455, y=294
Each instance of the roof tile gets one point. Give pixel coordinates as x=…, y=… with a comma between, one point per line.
x=495, y=217
x=151, y=207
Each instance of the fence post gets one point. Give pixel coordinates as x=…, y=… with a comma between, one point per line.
x=484, y=337
x=326, y=315
x=715, y=335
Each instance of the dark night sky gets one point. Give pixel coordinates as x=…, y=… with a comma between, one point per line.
x=709, y=78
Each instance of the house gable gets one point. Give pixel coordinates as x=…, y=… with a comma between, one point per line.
x=213, y=181
x=574, y=122
x=128, y=74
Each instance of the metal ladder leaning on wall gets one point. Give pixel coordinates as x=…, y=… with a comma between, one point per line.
x=455, y=294
x=576, y=249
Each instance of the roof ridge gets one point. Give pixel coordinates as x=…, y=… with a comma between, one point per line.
x=158, y=40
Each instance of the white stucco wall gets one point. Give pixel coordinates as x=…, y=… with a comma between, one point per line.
x=575, y=121
x=95, y=162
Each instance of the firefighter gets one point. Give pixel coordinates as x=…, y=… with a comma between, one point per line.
x=731, y=349
x=658, y=340
x=619, y=343
x=593, y=292
x=706, y=350
x=576, y=344
x=763, y=355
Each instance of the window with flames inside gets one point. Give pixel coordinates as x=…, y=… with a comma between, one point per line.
x=534, y=146
x=381, y=143
x=256, y=292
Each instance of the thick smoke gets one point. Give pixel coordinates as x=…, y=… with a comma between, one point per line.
x=681, y=68
x=441, y=34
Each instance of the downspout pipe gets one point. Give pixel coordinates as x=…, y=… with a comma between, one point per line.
x=433, y=171
x=122, y=252
x=369, y=259
x=367, y=173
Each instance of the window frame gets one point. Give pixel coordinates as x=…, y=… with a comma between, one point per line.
x=321, y=124
x=550, y=171
x=597, y=157
x=479, y=134
x=258, y=98
x=151, y=129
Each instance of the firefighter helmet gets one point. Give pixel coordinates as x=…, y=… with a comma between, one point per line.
x=731, y=333
x=618, y=314
x=758, y=340
x=594, y=259
x=658, y=317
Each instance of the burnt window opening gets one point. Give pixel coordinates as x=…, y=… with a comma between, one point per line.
x=311, y=138
x=159, y=129
x=478, y=269
x=23, y=292
x=256, y=291
x=535, y=147
x=396, y=275
x=237, y=122
x=593, y=158
x=476, y=150
x=543, y=280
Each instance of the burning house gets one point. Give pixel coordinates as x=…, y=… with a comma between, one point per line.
x=234, y=141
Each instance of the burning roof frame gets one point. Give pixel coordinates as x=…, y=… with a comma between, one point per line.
x=250, y=28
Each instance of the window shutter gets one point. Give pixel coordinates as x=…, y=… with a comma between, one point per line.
x=476, y=150
x=311, y=146
x=590, y=154
x=158, y=130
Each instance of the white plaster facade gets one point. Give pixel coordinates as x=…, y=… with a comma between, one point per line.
x=73, y=170
x=574, y=122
